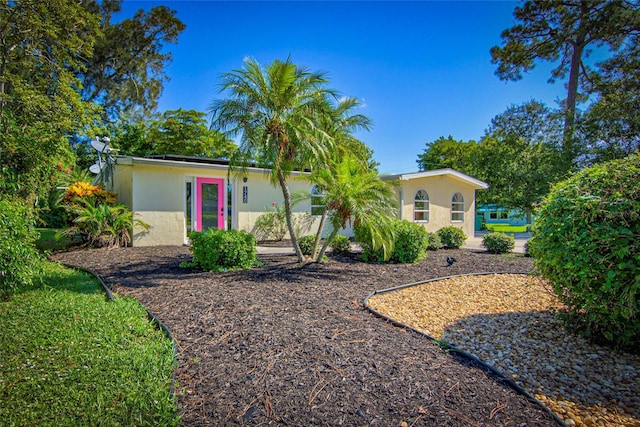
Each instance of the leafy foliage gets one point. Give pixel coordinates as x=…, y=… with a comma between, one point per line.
x=564, y=32
x=271, y=224
x=498, y=243
x=340, y=245
x=125, y=74
x=448, y=153
x=20, y=262
x=409, y=244
x=219, y=250
x=452, y=237
x=278, y=113
x=101, y=224
x=307, y=244
x=586, y=241
x=434, y=243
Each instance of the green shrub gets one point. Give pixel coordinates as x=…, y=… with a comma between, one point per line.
x=306, y=244
x=20, y=261
x=498, y=243
x=585, y=241
x=218, y=250
x=370, y=253
x=410, y=244
x=271, y=225
x=434, y=242
x=452, y=237
x=340, y=245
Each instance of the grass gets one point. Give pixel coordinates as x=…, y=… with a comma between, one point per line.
x=49, y=242
x=70, y=357
x=506, y=228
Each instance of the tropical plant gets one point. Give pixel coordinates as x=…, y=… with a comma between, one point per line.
x=277, y=111
x=586, y=241
x=452, y=237
x=498, y=243
x=271, y=224
x=101, y=224
x=354, y=193
x=307, y=244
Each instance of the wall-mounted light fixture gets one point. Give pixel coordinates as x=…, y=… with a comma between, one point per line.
x=244, y=179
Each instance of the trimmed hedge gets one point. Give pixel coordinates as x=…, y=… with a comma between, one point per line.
x=586, y=241
x=498, y=243
x=434, y=242
x=218, y=250
x=452, y=237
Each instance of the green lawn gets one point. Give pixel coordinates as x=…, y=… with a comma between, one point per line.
x=49, y=242
x=506, y=228
x=71, y=357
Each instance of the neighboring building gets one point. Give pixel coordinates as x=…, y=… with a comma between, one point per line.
x=438, y=198
x=177, y=194
x=496, y=218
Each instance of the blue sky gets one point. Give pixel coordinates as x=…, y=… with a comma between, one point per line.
x=421, y=68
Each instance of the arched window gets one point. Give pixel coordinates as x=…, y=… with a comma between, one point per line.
x=421, y=206
x=317, y=201
x=457, y=208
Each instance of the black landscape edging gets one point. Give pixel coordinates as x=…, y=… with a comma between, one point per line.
x=152, y=317
x=450, y=348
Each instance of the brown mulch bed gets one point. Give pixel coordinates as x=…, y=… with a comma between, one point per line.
x=290, y=344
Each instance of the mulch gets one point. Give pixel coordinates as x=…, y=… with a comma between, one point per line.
x=292, y=345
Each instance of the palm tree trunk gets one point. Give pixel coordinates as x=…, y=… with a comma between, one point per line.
x=323, y=219
x=326, y=244
x=287, y=211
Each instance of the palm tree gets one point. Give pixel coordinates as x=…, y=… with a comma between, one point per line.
x=353, y=192
x=278, y=112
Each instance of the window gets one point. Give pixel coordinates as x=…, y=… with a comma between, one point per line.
x=421, y=206
x=457, y=208
x=498, y=215
x=317, y=201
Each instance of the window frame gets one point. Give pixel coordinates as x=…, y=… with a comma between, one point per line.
x=457, y=215
x=317, y=209
x=424, y=212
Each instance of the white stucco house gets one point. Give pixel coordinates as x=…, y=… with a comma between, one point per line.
x=175, y=195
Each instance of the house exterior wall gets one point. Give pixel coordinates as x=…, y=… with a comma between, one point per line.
x=440, y=190
x=156, y=194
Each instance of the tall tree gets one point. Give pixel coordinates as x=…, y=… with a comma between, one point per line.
x=564, y=31
x=519, y=156
x=448, y=153
x=126, y=72
x=278, y=113
x=42, y=46
x=611, y=125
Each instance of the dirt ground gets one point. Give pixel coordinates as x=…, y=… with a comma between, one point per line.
x=290, y=344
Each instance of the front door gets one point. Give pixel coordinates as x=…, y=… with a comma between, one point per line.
x=209, y=203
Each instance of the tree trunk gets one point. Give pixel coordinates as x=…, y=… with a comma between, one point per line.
x=289, y=215
x=326, y=244
x=323, y=219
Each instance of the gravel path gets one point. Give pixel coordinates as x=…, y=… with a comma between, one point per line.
x=507, y=321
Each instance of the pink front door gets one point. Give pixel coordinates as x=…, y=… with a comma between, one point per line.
x=209, y=203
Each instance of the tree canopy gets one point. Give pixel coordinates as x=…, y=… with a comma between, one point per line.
x=278, y=111
x=63, y=68
x=566, y=32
